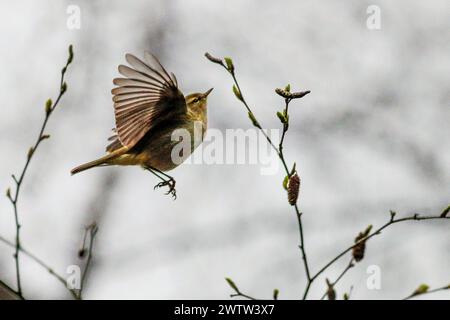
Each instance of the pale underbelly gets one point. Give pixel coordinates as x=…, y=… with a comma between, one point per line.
x=163, y=150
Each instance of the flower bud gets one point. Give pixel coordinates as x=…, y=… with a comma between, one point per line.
x=275, y=294
x=423, y=288
x=282, y=117
x=300, y=94
x=393, y=213
x=359, y=250
x=232, y=284
x=48, y=106
x=229, y=64
x=285, y=182
x=253, y=119
x=288, y=95
x=213, y=59
x=237, y=93
x=82, y=253
x=282, y=93
x=69, y=60
x=63, y=87
x=30, y=152
x=331, y=293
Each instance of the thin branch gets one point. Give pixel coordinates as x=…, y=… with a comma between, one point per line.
x=243, y=295
x=91, y=230
x=302, y=249
x=415, y=294
x=415, y=217
x=14, y=199
x=238, y=292
x=40, y=262
x=7, y=293
x=229, y=67
x=333, y=284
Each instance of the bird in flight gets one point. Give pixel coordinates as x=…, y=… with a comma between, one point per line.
x=148, y=108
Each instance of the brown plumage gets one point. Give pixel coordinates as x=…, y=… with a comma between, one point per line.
x=148, y=107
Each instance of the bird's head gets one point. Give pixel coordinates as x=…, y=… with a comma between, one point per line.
x=197, y=101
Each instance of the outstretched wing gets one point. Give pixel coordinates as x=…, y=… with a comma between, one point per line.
x=146, y=96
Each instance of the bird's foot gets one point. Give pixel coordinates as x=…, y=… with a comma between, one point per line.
x=171, y=184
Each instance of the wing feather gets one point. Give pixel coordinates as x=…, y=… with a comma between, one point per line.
x=146, y=95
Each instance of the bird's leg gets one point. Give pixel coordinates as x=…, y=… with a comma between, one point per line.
x=166, y=181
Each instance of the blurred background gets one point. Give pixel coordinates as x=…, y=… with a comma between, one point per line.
x=372, y=136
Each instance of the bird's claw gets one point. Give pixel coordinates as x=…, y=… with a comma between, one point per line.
x=171, y=184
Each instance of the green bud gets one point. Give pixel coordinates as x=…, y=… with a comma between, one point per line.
x=69, y=60
x=48, y=106
x=253, y=119
x=346, y=296
x=237, y=93
x=275, y=294
x=229, y=63
x=293, y=169
x=232, y=284
x=8, y=193
x=63, y=87
x=285, y=182
x=445, y=212
x=393, y=213
x=288, y=88
x=423, y=288
x=30, y=152
x=45, y=136
x=367, y=231
x=282, y=117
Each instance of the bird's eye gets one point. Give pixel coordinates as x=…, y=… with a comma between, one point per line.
x=196, y=100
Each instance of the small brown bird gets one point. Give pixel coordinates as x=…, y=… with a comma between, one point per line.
x=148, y=107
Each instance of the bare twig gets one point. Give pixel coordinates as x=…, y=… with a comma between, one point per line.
x=333, y=284
x=90, y=231
x=423, y=289
x=7, y=293
x=40, y=262
x=238, y=292
x=243, y=295
x=14, y=199
x=415, y=217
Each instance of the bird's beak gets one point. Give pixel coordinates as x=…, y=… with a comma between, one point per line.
x=207, y=93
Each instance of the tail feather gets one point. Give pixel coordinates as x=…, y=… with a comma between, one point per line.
x=89, y=165
x=106, y=160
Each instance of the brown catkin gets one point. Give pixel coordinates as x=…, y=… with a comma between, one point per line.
x=293, y=189
x=358, y=250
x=213, y=59
x=331, y=293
